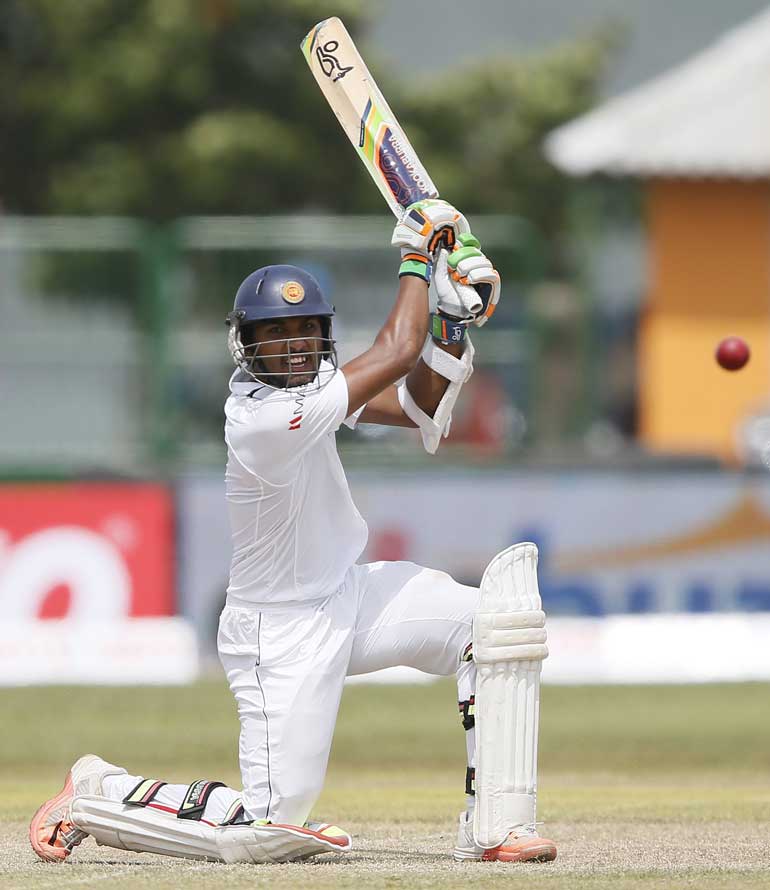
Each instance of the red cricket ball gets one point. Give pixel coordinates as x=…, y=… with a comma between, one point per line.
x=732, y=353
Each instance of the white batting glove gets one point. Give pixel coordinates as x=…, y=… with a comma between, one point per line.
x=467, y=284
x=427, y=225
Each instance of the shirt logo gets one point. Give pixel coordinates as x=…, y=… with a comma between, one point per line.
x=293, y=292
x=299, y=406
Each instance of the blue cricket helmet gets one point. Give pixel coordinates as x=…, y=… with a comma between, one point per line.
x=279, y=291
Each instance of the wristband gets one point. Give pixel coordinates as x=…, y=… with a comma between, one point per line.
x=445, y=330
x=416, y=264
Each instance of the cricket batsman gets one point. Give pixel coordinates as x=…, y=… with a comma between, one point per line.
x=301, y=614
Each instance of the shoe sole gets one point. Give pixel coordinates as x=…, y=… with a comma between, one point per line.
x=530, y=853
x=46, y=851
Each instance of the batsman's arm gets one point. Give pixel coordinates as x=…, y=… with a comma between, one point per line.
x=467, y=290
x=396, y=347
x=401, y=341
x=426, y=387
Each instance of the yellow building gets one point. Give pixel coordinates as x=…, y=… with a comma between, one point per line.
x=699, y=137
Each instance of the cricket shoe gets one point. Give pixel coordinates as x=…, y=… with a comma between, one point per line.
x=523, y=844
x=51, y=833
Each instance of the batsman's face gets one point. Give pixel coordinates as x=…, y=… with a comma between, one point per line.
x=289, y=350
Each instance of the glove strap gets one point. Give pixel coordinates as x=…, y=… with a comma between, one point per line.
x=446, y=330
x=416, y=264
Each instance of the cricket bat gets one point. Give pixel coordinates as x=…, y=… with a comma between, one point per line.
x=365, y=116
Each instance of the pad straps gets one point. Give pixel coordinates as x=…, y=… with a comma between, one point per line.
x=193, y=805
x=236, y=814
x=195, y=799
x=143, y=793
x=468, y=712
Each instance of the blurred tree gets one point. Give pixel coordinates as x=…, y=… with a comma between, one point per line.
x=165, y=107
x=481, y=136
x=160, y=108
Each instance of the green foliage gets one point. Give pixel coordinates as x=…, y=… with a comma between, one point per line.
x=165, y=107
x=481, y=132
x=160, y=108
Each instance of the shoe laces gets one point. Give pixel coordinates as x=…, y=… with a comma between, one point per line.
x=529, y=828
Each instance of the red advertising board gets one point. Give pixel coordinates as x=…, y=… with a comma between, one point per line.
x=91, y=551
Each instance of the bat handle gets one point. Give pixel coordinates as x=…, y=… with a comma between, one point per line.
x=444, y=238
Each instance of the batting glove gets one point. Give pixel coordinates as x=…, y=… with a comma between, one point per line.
x=424, y=227
x=467, y=284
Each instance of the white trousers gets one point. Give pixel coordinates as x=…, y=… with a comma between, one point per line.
x=286, y=666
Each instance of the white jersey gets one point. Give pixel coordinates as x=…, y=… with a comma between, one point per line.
x=295, y=528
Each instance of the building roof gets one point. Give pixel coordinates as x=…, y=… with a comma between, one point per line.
x=709, y=116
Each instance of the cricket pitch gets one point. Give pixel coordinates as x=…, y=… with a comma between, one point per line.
x=641, y=787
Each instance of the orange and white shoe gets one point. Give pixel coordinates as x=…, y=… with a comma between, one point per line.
x=521, y=845
x=52, y=835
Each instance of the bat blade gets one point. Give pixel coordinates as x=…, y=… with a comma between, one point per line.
x=365, y=116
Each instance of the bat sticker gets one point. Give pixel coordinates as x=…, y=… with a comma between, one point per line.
x=365, y=116
x=364, y=119
x=329, y=62
x=404, y=181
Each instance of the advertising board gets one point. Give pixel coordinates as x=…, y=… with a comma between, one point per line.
x=625, y=559
x=86, y=582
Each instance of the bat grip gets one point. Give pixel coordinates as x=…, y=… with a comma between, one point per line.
x=445, y=239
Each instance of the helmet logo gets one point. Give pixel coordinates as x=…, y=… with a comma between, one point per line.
x=293, y=292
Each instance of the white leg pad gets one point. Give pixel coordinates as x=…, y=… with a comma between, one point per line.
x=144, y=829
x=276, y=843
x=508, y=648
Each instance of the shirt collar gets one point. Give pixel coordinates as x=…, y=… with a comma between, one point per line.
x=243, y=385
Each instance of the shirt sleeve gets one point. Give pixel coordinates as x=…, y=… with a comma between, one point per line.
x=268, y=435
x=352, y=419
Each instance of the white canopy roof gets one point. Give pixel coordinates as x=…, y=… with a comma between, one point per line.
x=708, y=117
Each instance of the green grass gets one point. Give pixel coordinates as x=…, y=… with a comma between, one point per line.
x=642, y=787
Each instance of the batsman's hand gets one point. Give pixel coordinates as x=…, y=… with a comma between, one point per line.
x=427, y=225
x=467, y=284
